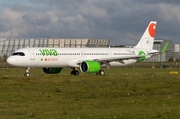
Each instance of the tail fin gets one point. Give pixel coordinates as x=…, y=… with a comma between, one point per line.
x=146, y=41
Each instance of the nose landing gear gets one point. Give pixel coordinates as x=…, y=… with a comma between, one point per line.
x=27, y=71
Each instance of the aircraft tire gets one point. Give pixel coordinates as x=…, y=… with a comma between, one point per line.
x=76, y=73
x=72, y=72
x=102, y=72
x=26, y=74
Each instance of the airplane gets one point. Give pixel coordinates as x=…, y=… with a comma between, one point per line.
x=88, y=60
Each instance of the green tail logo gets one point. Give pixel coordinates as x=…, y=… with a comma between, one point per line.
x=142, y=58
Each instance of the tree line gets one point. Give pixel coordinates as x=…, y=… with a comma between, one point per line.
x=3, y=58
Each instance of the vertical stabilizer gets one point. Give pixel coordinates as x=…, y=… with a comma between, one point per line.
x=146, y=41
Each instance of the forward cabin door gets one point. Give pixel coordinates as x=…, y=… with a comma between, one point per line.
x=32, y=55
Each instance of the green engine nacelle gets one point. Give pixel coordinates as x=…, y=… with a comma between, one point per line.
x=90, y=67
x=52, y=70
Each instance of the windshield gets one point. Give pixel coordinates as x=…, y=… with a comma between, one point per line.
x=18, y=54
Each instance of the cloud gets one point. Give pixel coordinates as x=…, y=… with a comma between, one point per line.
x=122, y=21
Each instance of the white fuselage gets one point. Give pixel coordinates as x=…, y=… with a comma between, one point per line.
x=69, y=57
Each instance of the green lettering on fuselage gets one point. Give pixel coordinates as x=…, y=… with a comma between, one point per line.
x=47, y=52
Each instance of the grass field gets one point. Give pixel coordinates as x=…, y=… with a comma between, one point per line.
x=123, y=93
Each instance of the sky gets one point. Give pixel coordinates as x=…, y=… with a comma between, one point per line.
x=121, y=21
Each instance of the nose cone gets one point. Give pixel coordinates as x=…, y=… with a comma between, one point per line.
x=11, y=61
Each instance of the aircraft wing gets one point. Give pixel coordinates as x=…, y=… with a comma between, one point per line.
x=77, y=62
x=110, y=59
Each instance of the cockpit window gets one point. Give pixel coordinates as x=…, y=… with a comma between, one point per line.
x=18, y=54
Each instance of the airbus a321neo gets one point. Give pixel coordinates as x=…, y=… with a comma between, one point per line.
x=89, y=60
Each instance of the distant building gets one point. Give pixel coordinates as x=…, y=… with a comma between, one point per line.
x=177, y=48
x=158, y=45
x=8, y=46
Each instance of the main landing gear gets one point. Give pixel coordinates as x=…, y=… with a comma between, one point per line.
x=75, y=72
x=101, y=72
x=27, y=71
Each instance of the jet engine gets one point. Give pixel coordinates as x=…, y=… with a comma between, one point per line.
x=90, y=67
x=52, y=70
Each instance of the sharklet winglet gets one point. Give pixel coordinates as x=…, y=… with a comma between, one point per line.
x=165, y=48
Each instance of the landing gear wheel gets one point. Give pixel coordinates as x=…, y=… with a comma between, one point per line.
x=101, y=72
x=26, y=74
x=74, y=72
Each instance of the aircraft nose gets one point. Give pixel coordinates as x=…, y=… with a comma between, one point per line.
x=11, y=60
